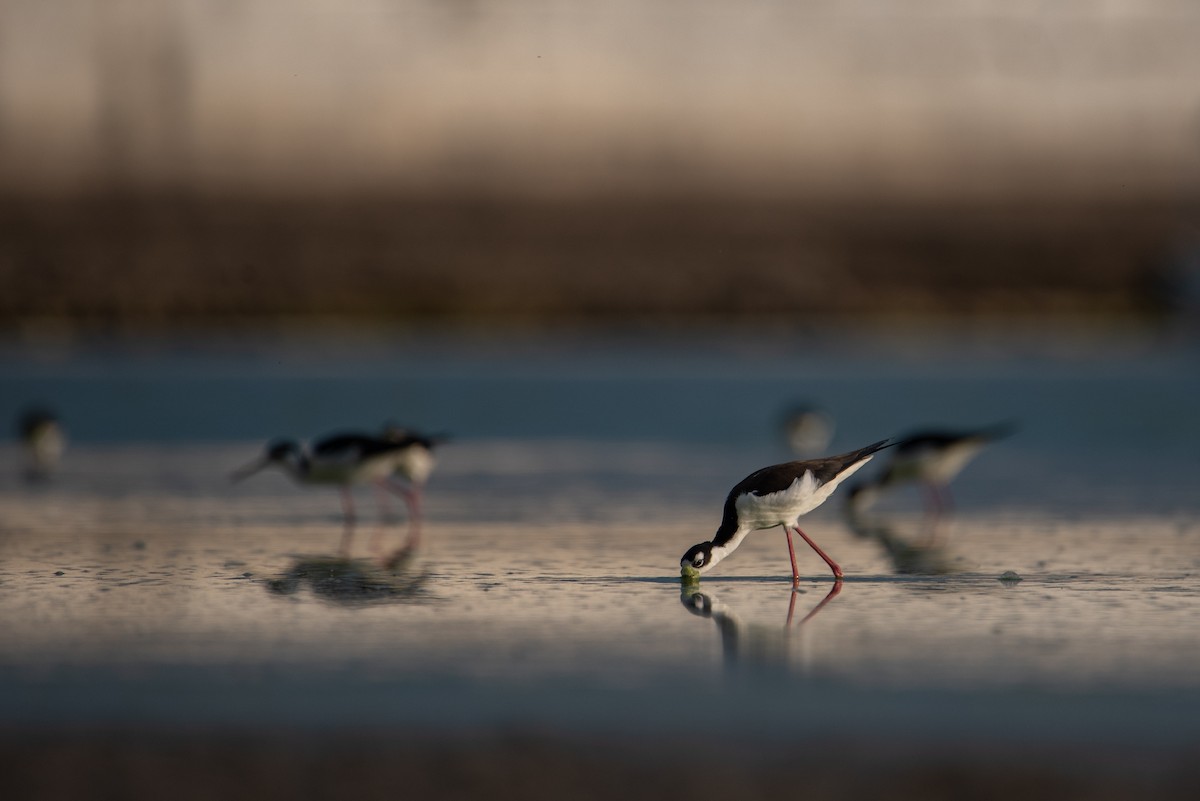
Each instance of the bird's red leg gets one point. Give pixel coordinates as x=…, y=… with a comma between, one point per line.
x=837, y=571
x=946, y=499
x=933, y=503
x=412, y=498
x=414, y=520
x=792, y=553
x=938, y=499
x=940, y=506
x=385, y=509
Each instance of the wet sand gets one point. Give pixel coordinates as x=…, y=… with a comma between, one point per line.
x=168, y=633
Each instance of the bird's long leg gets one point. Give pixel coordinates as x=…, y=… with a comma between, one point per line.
x=414, y=523
x=947, y=500
x=348, y=513
x=412, y=498
x=938, y=501
x=385, y=515
x=792, y=553
x=837, y=571
x=940, y=505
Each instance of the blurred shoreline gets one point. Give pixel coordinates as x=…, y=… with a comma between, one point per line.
x=171, y=259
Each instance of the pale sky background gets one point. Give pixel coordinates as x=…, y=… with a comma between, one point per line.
x=537, y=96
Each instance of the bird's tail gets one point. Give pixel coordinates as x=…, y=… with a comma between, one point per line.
x=870, y=450
x=997, y=431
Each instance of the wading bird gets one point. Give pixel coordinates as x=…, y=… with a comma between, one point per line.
x=931, y=458
x=807, y=429
x=778, y=496
x=340, y=460
x=44, y=440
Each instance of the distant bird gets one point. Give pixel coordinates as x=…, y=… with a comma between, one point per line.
x=341, y=460
x=43, y=438
x=931, y=458
x=778, y=496
x=807, y=429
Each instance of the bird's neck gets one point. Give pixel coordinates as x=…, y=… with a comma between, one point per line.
x=724, y=543
x=728, y=530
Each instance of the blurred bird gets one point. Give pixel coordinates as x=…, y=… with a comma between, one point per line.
x=931, y=458
x=341, y=460
x=807, y=429
x=777, y=496
x=44, y=439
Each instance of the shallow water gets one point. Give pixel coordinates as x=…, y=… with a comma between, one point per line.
x=141, y=585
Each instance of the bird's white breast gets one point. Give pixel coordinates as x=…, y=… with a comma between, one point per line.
x=415, y=464
x=785, y=506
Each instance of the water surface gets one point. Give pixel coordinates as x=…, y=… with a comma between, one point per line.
x=141, y=585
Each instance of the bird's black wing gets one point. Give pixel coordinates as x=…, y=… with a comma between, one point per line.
x=942, y=438
x=351, y=445
x=779, y=477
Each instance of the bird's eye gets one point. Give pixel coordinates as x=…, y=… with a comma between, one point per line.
x=698, y=560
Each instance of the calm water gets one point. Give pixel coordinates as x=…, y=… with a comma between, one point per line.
x=140, y=584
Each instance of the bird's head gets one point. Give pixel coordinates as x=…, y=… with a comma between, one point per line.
x=282, y=450
x=699, y=557
x=284, y=453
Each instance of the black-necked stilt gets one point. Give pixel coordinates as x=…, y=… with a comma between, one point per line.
x=341, y=460
x=777, y=496
x=44, y=440
x=807, y=429
x=931, y=457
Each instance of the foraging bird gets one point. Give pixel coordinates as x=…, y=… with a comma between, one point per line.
x=778, y=496
x=807, y=430
x=930, y=457
x=44, y=440
x=342, y=460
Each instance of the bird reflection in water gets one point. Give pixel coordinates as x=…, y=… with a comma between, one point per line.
x=753, y=645
x=357, y=582
x=921, y=552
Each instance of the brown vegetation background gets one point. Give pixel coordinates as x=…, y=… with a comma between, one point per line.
x=392, y=160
